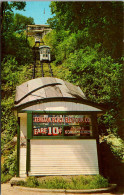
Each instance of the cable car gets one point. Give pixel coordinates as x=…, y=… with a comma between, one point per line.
x=45, y=53
x=37, y=39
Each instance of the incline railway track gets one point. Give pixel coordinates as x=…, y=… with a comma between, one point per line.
x=49, y=67
x=41, y=69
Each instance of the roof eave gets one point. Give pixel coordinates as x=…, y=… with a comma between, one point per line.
x=54, y=99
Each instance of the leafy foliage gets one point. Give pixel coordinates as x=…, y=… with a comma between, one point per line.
x=11, y=24
x=32, y=182
x=12, y=75
x=116, y=145
x=74, y=182
x=5, y=178
x=17, y=44
x=20, y=22
x=102, y=22
x=16, y=59
x=98, y=76
x=10, y=164
x=7, y=14
x=89, y=54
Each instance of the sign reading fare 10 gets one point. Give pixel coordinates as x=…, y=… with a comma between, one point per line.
x=54, y=125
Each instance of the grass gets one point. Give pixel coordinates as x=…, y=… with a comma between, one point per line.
x=5, y=177
x=66, y=182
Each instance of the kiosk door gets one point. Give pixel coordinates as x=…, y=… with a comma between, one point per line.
x=63, y=157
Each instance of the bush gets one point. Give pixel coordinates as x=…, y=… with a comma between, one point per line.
x=12, y=74
x=54, y=183
x=9, y=166
x=19, y=183
x=116, y=144
x=5, y=178
x=98, y=182
x=32, y=182
x=69, y=182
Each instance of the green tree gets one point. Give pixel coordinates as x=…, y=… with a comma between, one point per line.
x=87, y=43
x=20, y=22
x=7, y=13
x=16, y=59
x=101, y=21
x=12, y=43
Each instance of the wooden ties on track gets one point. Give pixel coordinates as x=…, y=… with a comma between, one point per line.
x=42, y=69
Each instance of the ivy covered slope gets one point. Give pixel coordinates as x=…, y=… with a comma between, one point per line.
x=16, y=68
x=86, y=43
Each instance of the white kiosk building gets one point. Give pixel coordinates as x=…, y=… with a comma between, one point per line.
x=57, y=132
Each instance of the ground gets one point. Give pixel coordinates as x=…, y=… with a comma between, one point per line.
x=7, y=189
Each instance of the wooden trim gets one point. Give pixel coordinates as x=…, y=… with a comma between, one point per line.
x=29, y=125
x=67, y=99
x=28, y=157
x=61, y=112
x=63, y=137
x=18, y=146
x=94, y=125
x=63, y=132
x=64, y=125
x=96, y=135
x=99, y=157
x=29, y=136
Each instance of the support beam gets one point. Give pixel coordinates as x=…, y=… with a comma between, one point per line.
x=29, y=136
x=18, y=146
x=29, y=125
x=28, y=157
x=96, y=136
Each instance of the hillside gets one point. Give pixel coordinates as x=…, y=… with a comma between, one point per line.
x=82, y=54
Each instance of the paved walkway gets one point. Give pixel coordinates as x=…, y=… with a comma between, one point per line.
x=6, y=189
